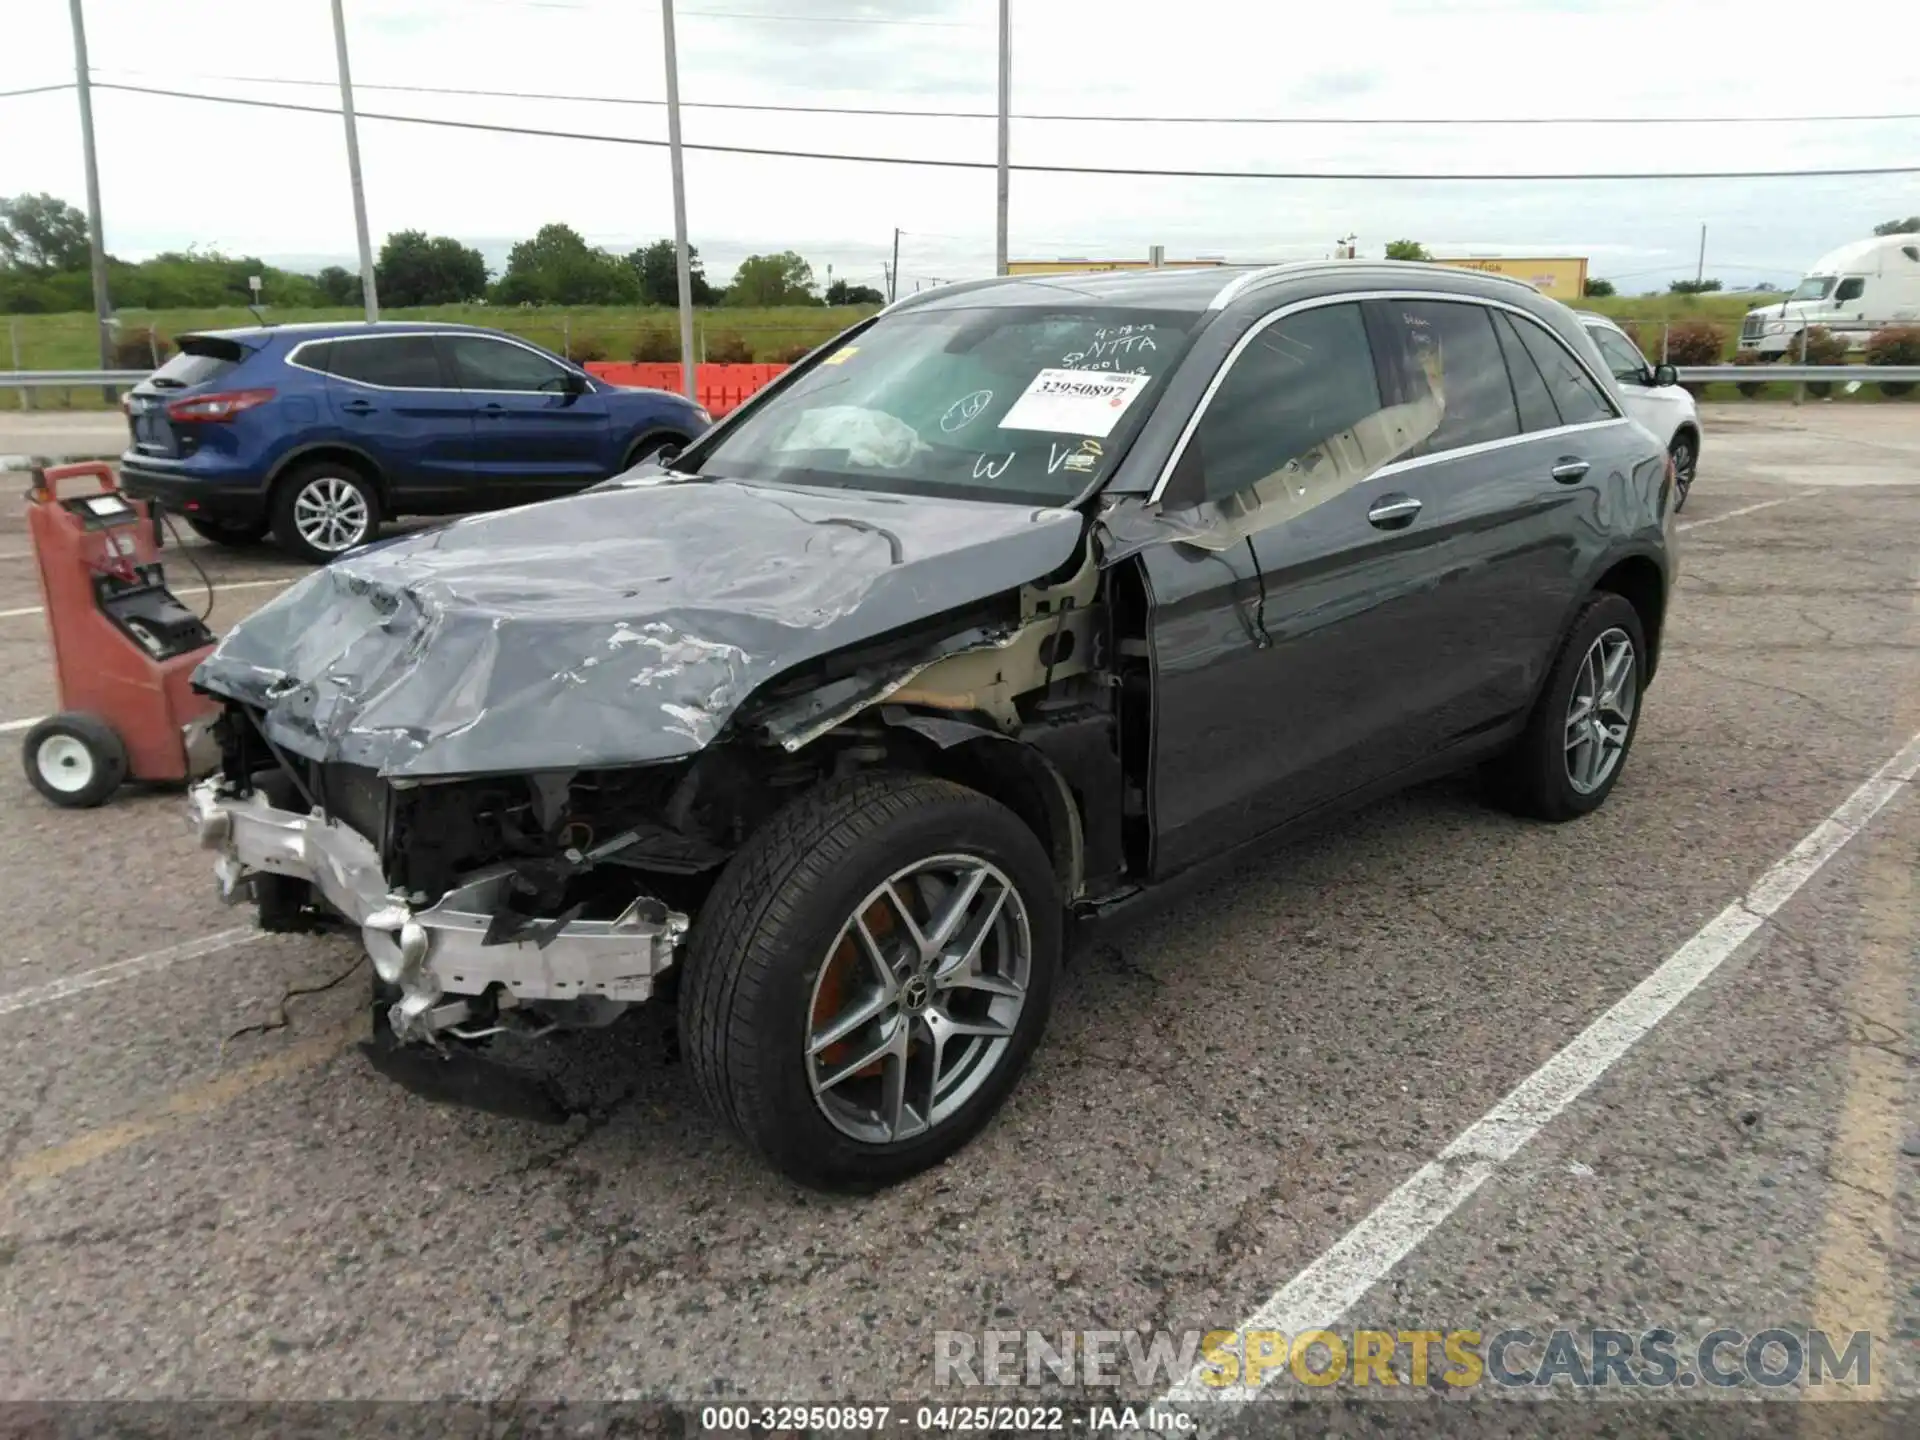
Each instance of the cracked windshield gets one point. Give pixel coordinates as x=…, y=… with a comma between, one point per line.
x=1032, y=405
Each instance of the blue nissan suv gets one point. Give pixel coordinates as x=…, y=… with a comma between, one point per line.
x=319, y=432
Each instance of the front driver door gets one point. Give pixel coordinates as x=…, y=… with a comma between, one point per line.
x=535, y=433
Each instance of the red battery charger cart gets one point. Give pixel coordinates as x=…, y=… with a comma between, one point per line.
x=124, y=649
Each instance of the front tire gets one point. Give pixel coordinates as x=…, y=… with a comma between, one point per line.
x=1685, y=451
x=75, y=760
x=870, y=976
x=1575, y=746
x=323, y=510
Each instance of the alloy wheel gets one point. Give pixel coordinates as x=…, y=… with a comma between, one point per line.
x=331, y=514
x=917, y=1003
x=1600, y=711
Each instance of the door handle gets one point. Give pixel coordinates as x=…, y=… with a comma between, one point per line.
x=1569, y=468
x=492, y=409
x=1393, y=512
x=357, y=407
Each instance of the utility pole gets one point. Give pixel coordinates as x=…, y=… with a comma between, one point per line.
x=1006, y=103
x=367, y=291
x=96, y=239
x=1700, y=270
x=893, y=275
x=689, y=381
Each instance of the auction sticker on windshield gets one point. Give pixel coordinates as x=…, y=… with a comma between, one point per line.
x=1074, y=402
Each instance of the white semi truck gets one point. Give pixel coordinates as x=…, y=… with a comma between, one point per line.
x=1852, y=291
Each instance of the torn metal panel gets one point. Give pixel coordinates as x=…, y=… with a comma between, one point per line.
x=613, y=627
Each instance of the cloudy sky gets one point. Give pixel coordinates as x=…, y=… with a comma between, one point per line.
x=176, y=172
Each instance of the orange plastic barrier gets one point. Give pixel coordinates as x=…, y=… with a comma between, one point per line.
x=720, y=387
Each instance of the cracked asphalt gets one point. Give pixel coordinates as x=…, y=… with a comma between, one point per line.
x=1233, y=1078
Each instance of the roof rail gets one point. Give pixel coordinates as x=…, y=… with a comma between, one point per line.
x=1246, y=280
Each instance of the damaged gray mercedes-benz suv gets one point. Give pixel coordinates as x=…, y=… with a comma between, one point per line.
x=1016, y=600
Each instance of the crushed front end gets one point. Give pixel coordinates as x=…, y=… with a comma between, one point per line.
x=485, y=906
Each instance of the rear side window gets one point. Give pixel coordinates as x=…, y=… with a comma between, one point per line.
x=1575, y=395
x=394, y=362
x=1294, y=419
x=196, y=367
x=1444, y=353
x=1537, y=411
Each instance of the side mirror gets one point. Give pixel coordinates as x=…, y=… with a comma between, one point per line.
x=577, y=384
x=1665, y=375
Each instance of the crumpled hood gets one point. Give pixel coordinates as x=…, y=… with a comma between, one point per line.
x=614, y=627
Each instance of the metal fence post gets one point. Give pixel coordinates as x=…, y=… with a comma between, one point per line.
x=1800, y=386
x=566, y=337
x=13, y=333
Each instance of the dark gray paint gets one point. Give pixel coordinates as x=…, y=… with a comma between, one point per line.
x=616, y=627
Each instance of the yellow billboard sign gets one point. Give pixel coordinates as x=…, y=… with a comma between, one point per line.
x=1068, y=267
x=1562, y=277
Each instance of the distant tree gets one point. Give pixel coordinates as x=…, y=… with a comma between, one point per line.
x=558, y=267
x=415, y=268
x=1693, y=287
x=770, y=280
x=841, y=293
x=42, y=232
x=339, y=286
x=1908, y=226
x=1600, y=289
x=658, y=267
x=1407, y=250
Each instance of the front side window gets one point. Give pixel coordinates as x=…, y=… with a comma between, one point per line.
x=1626, y=362
x=394, y=362
x=1446, y=350
x=1850, y=289
x=1814, y=287
x=1299, y=419
x=480, y=363
x=1019, y=403
x=1575, y=395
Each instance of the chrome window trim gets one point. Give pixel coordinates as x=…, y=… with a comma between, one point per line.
x=293, y=359
x=1354, y=297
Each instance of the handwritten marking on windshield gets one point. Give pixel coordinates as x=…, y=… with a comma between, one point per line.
x=964, y=411
x=984, y=468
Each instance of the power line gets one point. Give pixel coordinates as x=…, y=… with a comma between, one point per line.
x=36, y=90
x=1323, y=120
x=944, y=164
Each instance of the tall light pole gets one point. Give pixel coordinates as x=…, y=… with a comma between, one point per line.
x=1006, y=100
x=688, y=382
x=96, y=240
x=367, y=291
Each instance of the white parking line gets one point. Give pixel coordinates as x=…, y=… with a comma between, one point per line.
x=57, y=990
x=1745, y=510
x=1320, y=1294
x=196, y=587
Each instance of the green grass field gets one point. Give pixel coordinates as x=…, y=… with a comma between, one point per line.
x=609, y=332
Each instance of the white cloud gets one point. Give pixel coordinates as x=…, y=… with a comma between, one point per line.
x=175, y=172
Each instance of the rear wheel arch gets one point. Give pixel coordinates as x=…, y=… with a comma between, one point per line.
x=649, y=439
x=1640, y=581
x=358, y=460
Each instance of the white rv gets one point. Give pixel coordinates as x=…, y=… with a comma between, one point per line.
x=1853, y=291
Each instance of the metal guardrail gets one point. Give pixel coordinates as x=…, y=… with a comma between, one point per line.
x=1840, y=374
x=68, y=379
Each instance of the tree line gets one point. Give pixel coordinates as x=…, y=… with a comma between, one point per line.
x=44, y=268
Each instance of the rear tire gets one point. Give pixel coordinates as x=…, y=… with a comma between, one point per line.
x=1546, y=774
x=324, y=509
x=75, y=760
x=778, y=963
x=227, y=532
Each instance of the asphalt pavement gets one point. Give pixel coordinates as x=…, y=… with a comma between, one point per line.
x=1241, y=1116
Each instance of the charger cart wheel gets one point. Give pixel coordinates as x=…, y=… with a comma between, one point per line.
x=74, y=760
